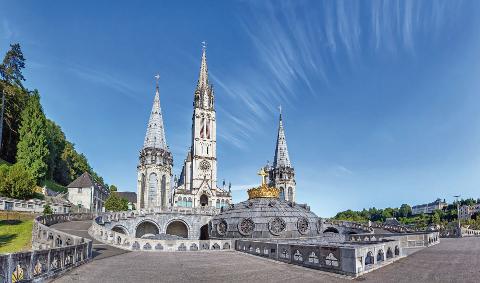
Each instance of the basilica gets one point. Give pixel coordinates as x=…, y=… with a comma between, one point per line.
x=196, y=185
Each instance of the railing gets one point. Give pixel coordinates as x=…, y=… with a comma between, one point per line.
x=54, y=251
x=349, y=224
x=122, y=241
x=407, y=240
x=112, y=216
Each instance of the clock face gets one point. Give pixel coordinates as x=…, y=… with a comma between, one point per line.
x=204, y=165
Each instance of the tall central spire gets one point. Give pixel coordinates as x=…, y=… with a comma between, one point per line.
x=281, y=158
x=155, y=137
x=203, y=77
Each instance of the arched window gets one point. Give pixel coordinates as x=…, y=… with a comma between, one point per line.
x=389, y=253
x=164, y=190
x=290, y=194
x=380, y=256
x=397, y=251
x=189, y=202
x=222, y=203
x=369, y=259
x=217, y=204
x=282, y=194
x=152, y=189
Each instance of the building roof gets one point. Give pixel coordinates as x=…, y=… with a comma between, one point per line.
x=84, y=181
x=281, y=158
x=131, y=196
x=155, y=136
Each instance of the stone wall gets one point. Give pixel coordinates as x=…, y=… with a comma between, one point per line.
x=351, y=260
x=54, y=252
x=104, y=234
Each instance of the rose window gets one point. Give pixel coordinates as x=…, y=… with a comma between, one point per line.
x=246, y=226
x=276, y=225
x=302, y=225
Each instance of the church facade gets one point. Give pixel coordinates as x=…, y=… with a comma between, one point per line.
x=197, y=183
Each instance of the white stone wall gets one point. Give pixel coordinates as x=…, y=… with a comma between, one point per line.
x=81, y=196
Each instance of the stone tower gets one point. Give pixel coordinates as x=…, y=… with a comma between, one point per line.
x=154, y=170
x=204, y=132
x=281, y=173
x=197, y=185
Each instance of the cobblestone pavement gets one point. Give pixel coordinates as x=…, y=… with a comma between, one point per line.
x=80, y=228
x=453, y=260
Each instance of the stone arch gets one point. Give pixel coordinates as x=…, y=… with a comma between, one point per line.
x=204, y=200
x=152, y=189
x=282, y=193
x=389, y=253
x=120, y=229
x=146, y=227
x=177, y=227
x=331, y=230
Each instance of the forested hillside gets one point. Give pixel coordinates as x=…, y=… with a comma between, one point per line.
x=35, y=147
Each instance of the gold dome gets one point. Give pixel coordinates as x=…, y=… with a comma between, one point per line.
x=264, y=191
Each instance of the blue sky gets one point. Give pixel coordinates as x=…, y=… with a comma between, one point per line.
x=380, y=99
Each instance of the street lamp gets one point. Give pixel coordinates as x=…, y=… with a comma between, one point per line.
x=458, y=211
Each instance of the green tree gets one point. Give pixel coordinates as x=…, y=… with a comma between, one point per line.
x=116, y=203
x=33, y=147
x=405, y=210
x=56, y=143
x=12, y=65
x=11, y=78
x=16, y=182
x=113, y=188
x=47, y=209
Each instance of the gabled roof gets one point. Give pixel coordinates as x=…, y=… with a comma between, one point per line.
x=131, y=196
x=84, y=181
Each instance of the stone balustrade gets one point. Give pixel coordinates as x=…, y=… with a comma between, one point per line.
x=347, y=259
x=123, y=241
x=350, y=224
x=54, y=252
x=413, y=241
x=466, y=232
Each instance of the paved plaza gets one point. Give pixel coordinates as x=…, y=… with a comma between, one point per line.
x=453, y=260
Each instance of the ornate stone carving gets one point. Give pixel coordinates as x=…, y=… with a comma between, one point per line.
x=222, y=227
x=246, y=226
x=302, y=225
x=276, y=226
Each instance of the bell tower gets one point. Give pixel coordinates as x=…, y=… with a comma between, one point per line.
x=204, y=132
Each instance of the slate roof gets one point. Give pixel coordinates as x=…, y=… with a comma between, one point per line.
x=131, y=196
x=84, y=181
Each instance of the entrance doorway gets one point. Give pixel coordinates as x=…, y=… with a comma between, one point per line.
x=204, y=232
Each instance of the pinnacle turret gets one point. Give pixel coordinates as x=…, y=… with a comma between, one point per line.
x=204, y=91
x=281, y=158
x=155, y=136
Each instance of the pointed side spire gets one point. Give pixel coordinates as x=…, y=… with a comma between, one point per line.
x=155, y=136
x=281, y=158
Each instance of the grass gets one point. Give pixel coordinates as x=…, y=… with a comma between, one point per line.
x=55, y=186
x=15, y=235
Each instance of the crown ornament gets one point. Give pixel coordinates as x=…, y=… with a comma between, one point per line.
x=263, y=191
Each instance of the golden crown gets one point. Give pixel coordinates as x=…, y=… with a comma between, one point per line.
x=263, y=191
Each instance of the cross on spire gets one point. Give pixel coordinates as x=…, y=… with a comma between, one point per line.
x=157, y=78
x=264, y=175
x=204, y=44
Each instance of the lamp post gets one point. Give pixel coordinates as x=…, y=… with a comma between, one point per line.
x=458, y=215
